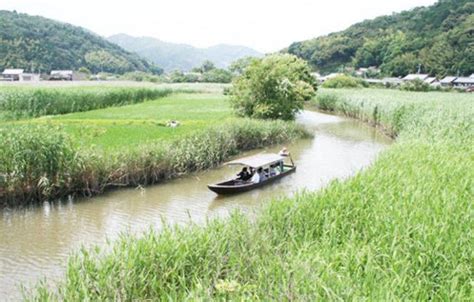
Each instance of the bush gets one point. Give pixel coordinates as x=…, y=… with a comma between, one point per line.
x=217, y=76
x=415, y=85
x=326, y=102
x=140, y=76
x=274, y=87
x=344, y=81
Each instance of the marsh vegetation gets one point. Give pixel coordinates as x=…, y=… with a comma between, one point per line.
x=398, y=230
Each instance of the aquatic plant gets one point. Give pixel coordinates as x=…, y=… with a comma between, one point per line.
x=40, y=162
x=400, y=230
x=21, y=102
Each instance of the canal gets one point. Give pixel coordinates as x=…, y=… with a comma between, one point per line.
x=35, y=242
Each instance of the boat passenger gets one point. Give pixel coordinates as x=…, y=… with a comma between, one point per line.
x=264, y=174
x=257, y=176
x=281, y=165
x=244, y=175
x=273, y=171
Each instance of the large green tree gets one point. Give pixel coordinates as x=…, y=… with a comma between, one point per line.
x=274, y=87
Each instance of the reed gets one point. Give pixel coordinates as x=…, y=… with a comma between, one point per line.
x=23, y=102
x=400, y=230
x=39, y=162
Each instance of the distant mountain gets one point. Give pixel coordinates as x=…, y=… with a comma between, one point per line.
x=38, y=44
x=438, y=39
x=172, y=56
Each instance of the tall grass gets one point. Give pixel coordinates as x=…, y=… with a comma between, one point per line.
x=39, y=162
x=22, y=102
x=400, y=230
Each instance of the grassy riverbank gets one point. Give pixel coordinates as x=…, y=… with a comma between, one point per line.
x=88, y=152
x=401, y=230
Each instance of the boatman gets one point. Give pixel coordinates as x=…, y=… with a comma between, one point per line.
x=285, y=153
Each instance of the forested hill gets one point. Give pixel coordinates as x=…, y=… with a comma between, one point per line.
x=439, y=38
x=38, y=44
x=172, y=56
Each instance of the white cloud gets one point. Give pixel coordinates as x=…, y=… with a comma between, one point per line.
x=262, y=24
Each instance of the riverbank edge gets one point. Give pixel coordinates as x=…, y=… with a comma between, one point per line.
x=378, y=235
x=89, y=173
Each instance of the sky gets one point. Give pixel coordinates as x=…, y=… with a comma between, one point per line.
x=264, y=25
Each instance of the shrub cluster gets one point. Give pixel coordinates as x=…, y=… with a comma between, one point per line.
x=345, y=81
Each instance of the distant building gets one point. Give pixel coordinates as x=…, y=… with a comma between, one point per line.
x=432, y=81
x=392, y=81
x=464, y=82
x=412, y=77
x=12, y=74
x=364, y=72
x=29, y=77
x=447, y=81
x=316, y=75
x=61, y=75
x=374, y=81
x=329, y=76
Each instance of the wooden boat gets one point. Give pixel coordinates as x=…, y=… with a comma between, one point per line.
x=234, y=186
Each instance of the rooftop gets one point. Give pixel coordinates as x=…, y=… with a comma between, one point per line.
x=464, y=80
x=63, y=72
x=448, y=80
x=257, y=161
x=13, y=71
x=415, y=76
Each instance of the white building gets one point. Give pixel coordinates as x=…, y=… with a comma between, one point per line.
x=12, y=74
x=447, y=81
x=464, y=82
x=412, y=77
x=29, y=77
x=61, y=75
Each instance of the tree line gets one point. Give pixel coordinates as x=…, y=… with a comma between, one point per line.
x=438, y=40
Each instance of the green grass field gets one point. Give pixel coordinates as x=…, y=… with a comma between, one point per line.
x=133, y=125
x=400, y=230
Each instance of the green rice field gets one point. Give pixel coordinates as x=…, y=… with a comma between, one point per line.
x=400, y=230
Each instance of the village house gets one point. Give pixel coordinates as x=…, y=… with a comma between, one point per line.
x=61, y=75
x=29, y=77
x=415, y=76
x=463, y=82
x=392, y=81
x=316, y=75
x=364, y=72
x=12, y=74
x=329, y=76
x=447, y=81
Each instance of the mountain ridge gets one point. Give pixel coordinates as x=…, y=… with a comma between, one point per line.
x=36, y=44
x=438, y=39
x=181, y=56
